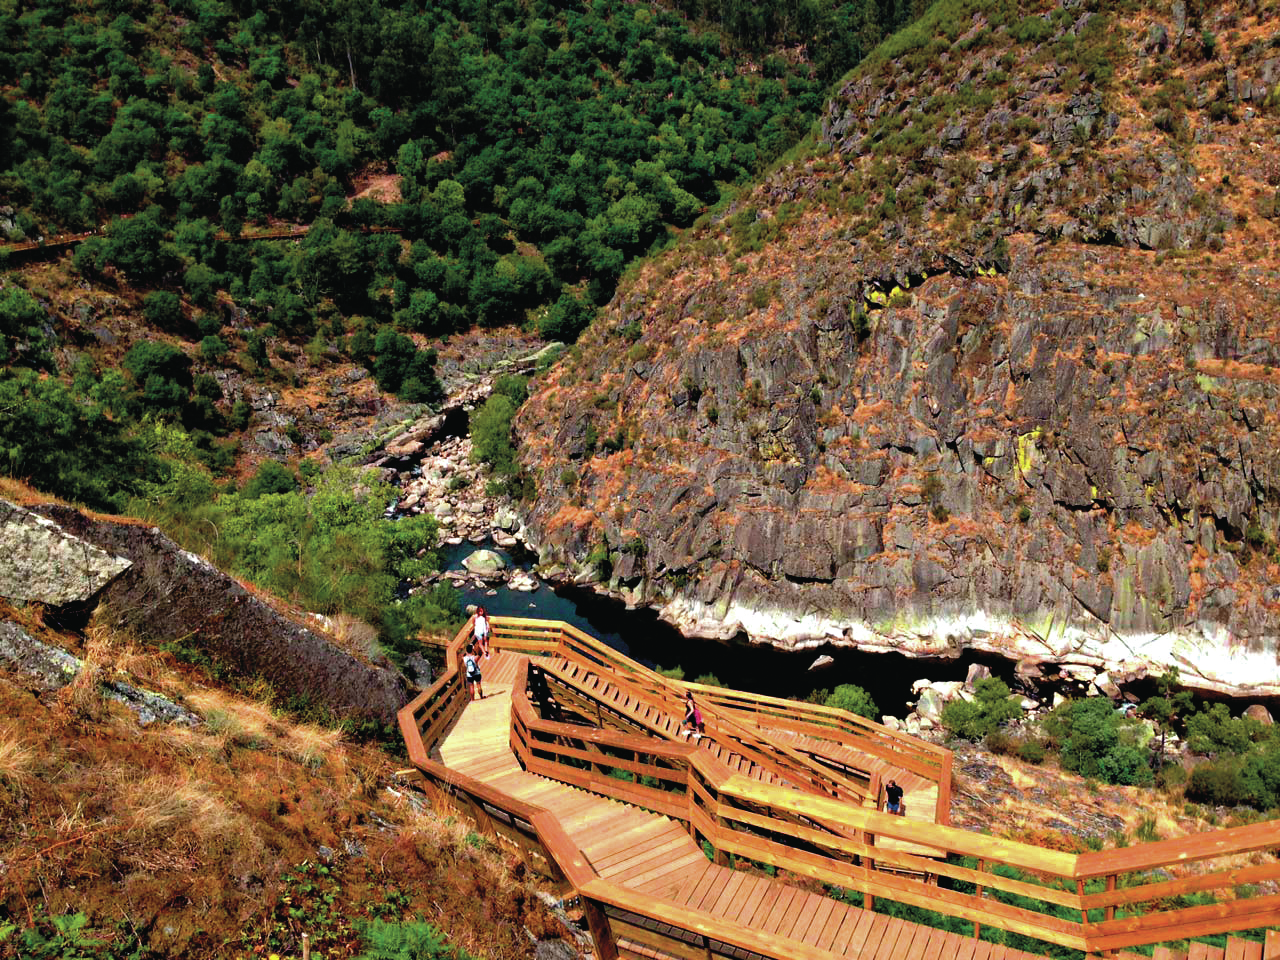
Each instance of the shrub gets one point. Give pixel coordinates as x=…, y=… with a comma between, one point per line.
x=163, y=310
x=491, y=435
x=271, y=477
x=992, y=705
x=1093, y=738
x=213, y=348
x=1032, y=751
x=1218, y=783
x=854, y=699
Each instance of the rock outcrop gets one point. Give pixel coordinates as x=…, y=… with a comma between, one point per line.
x=42, y=563
x=996, y=366
x=168, y=595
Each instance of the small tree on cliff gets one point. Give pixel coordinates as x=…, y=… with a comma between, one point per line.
x=1167, y=708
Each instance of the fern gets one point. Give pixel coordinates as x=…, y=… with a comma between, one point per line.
x=415, y=940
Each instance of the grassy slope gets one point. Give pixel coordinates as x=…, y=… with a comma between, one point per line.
x=188, y=837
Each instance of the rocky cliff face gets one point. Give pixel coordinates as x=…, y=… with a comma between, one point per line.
x=993, y=365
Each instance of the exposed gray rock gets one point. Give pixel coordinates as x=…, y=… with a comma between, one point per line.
x=485, y=563
x=51, y=668
x=168, y=593
x=41, y=562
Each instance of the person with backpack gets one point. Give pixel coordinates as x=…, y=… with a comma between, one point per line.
x=471, y=673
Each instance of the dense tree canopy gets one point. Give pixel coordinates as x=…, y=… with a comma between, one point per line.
x=541, y=145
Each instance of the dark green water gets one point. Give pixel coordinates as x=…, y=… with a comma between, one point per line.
x=756, y=668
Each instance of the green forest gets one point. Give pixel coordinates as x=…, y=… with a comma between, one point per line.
x=542, y=146
x=539, y=148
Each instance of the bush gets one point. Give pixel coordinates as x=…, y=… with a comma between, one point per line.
x=992, y=705
x=854, y=699
x=1218, y=783
x=1032, y=751
x=491, y=435
x=271, y=477
x=163, y=310
x=213, y=348
x=1096, y=741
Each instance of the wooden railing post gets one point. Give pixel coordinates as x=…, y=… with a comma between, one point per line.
x=1111, y=888
x=601, y=931
x=943, y=814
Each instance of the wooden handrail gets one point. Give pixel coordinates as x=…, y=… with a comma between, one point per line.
x=791, y=830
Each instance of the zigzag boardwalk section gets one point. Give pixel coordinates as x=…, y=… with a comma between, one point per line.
x=574, y=760
x=655, y=857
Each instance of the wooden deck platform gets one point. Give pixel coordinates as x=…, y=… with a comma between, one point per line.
x=654, y=855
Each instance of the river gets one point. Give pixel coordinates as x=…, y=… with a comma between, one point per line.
x=757, y=668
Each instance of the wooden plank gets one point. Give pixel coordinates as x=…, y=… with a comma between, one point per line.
x=752, y=893
x=801, y=914
x=1271, y=946
x=966, y=948
x=873, y=935
x=1239, y=949
x=663, y=868
x=816, y=928
x=715, y=884
x=692, y=885
x=722, y=904
x=781, y=912
x=889, y=943
x=844, y=934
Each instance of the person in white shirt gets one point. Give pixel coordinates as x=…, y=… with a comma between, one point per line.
x=480, y=630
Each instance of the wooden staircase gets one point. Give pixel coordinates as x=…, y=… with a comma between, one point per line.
x=607, y=798
x=628, y=710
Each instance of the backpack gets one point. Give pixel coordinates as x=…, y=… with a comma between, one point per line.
x=473, y=668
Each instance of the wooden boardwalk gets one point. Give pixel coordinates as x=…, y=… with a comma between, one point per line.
x=655, y=856
x=574, y=759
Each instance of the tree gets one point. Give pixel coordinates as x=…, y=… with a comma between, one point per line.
x=854, y=699
x=23, y=334
x=162, y=310
x=491, y=435
x=1167, y=708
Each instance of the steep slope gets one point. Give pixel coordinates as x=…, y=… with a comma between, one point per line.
x=992, y=365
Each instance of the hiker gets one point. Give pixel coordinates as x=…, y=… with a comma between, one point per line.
x=480, y=630
x=471, y=673
x=692, y=718
x=893, y=799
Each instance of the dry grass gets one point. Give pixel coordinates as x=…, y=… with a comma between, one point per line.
x=16, y=760
x=354, y=636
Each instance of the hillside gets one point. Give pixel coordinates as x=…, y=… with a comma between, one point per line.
x=229, y=835
x=989, y=363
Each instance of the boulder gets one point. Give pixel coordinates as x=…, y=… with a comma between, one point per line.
x=523, y=581
x=930, y=704
x=504, y=518
x=977, y=671
x=1107, y=686
x=51, y=668
x=41, y=562
x=168, y=593
x=485, y=563
x=1259, y=713
x=822, y=662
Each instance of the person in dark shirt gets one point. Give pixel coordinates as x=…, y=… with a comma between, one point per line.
x=893, y=799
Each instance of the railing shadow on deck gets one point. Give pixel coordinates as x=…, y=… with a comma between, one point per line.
x=1123, y=897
